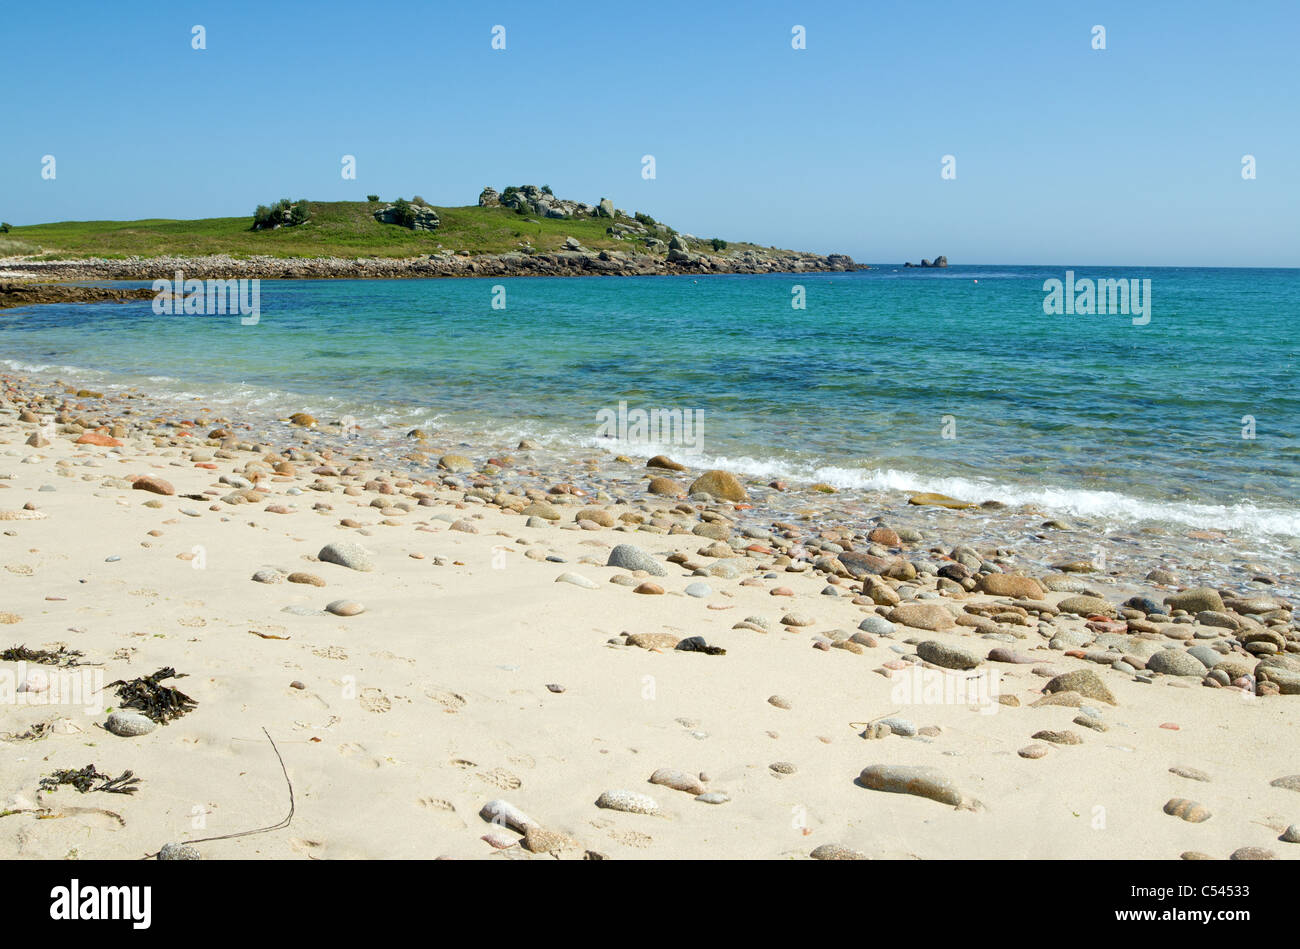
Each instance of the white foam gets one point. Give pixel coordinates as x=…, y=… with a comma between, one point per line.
x=1243, y=516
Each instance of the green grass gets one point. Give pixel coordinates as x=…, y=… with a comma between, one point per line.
x=336, y=229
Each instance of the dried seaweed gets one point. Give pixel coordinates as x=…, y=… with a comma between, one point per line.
x=84, y=780
x=159, y=702
x=63, y=656
x=37, y=731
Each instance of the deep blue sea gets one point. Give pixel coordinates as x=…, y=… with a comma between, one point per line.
x=1084, y=413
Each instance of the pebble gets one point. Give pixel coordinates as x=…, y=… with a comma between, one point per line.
x=877, y=626
x=948, y=655
x=577, y=581
x=649, y=588
x=153, y=484
x=346, y=554
x=899, y=726
x=1190, y=811
x=629, y=801
x=1085, y=682
x=1063, y=737
x=931, y=616
x=507, y=815
x=698, y=589
x=540, y=840
x=713, y=797
x=653, y=640
x=677, y=780
x=1291, y=835
x=913, y=779
x=876, y=730
x=1175, y=662
x=1091, y=721
x=1291, y=782
x=128, y=723
x=345, y=608
x=179, y=852
x=1033, y=751
x=1085, y=605
x=780, y=701
x=783, y=767
x=631, y=557
x=837, y=852
x=1194, y=774
x=1252, y=853
x=1006, y=654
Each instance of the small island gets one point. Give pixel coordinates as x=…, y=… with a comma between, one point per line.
x=519, y=231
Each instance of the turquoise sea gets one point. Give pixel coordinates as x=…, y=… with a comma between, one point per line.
x=1089, y=414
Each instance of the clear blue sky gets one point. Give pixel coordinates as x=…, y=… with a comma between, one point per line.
x=1064, y=154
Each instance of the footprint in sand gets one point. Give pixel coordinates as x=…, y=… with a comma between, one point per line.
x=448, y=700
x=374, y=700
x=436, y=803
x=631, y=838
x=523, y=761
x=498, y=777
x=193, y=621
x=359, y=752
x=444, y=812
x=330, y=652
x=462, y=763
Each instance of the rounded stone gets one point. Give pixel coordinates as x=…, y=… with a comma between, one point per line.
x=346, y=554
x=128, y=723
x=629, y=801
x=179, y=852
x=631, y=557
x=345, y=608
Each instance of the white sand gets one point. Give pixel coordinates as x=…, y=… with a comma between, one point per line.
x=434, y=700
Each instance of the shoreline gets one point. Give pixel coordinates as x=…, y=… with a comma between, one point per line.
x=1122, y=544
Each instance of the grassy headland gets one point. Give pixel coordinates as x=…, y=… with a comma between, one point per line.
x=335, y=229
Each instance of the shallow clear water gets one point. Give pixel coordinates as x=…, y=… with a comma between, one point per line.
x=1083, y=413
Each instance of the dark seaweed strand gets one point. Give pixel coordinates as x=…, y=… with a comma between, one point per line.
x=63, y=656
x=84, y=780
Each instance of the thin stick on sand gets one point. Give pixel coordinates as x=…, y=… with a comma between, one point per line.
x=261, y=830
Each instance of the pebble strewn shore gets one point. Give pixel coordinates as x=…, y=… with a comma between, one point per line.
x=604, y=644
x=564, y=263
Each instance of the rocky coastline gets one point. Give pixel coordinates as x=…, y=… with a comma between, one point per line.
x=30, y=294
x=574, y=262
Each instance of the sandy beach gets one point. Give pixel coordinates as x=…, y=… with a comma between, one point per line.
x=419, y=647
